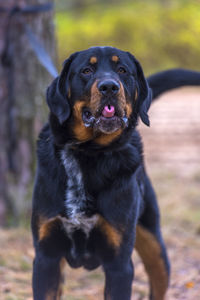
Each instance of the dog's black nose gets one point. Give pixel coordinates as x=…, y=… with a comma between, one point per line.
x=108, y=87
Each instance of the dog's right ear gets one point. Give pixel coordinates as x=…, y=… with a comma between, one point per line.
x=144, y=92
x=57, y=93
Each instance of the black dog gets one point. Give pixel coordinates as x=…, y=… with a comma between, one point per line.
x=93, y=201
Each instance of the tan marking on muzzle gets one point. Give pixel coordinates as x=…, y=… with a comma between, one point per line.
x=128, y=109
x=121, y=98
x=81, y=132
x=123, y=104
x=95, y=98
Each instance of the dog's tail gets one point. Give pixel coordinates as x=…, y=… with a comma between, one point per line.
x=171, y=79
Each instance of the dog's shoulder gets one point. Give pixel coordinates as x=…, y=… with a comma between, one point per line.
x=47, y=151
x=44, y=142
x=50, y=180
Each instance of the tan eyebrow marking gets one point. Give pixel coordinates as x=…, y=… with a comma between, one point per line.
x=115, y=58
x=93, y=60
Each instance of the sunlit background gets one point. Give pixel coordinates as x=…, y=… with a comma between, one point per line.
x=161, y=33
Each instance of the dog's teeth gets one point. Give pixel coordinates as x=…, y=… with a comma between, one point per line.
x=125, y=121
x=87, y=125
x=90, y=122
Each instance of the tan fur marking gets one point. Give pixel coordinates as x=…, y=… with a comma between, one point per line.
x=57, y=293
x=61, y=283
x=62, y=264
x=69, y=93
x=81, y=133
x=150, y=252
x=115, y=58
x=136, y=94
x=121, y=98
x=93, y=60
x=46, y=226
x=128, y=109
x=95, y=98
x=123, y=104
x=114, y=238
x=50, y=295
x=78, y=108
x=106, y=139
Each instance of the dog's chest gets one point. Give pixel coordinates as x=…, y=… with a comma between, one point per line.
x=76, y=200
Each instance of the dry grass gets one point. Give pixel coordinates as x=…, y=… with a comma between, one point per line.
x=177, y=185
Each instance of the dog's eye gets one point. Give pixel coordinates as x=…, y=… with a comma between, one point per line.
x=121, y=70
x=87, y=71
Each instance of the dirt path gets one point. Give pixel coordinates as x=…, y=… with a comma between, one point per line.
x=172, y=148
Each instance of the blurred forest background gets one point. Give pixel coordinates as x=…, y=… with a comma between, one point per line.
x=162, y=34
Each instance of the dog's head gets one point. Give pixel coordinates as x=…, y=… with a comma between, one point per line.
x=100, y=92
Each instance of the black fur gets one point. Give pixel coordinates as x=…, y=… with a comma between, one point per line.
x=57, y=93
x=113, y=182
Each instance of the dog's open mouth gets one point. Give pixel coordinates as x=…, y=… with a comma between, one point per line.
x=108, y=111
x=107, y=121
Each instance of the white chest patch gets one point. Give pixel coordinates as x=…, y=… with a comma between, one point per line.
x=84, y=223
x=75, y=196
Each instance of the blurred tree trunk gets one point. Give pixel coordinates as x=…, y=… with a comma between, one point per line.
x=23, y=82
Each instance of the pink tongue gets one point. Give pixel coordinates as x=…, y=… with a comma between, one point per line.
x=108, y=111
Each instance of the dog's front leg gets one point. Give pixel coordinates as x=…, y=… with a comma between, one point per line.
x=50, y=243
x=47, y=278
x=114, y=247
x=118, y=280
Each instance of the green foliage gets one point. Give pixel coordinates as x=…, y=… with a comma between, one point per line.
x=161, y=34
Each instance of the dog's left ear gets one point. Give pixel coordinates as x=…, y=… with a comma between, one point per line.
x=144, y=92
x=57, y=93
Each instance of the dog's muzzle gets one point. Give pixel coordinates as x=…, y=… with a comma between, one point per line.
x=107, y=122
x=109, y=116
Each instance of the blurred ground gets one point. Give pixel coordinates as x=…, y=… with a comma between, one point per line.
x=172, y=150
